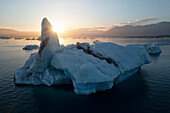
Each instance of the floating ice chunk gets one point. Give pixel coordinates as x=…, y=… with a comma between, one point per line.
x=30, y=47
x=18, y=38
x=3, y=37
x=161, y=43
x=30, y=38
x=152, y=49
x=39, y=38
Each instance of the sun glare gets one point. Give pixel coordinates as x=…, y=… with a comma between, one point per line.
x=58, y=28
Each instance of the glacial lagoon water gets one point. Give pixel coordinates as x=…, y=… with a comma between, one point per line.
x=146, y=92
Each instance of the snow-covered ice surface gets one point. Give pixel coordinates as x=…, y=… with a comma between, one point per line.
x=30, y=47
x=124, y=58
x=89, y=68
x=87, y=72
x=152, y=49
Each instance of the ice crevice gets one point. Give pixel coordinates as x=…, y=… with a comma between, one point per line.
x=86, y=48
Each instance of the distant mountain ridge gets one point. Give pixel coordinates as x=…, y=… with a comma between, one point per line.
x=16, y=34
x=161, y=28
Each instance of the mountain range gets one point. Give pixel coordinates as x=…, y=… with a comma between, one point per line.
x=158, y=29
x=152, y=30
x=17, y=34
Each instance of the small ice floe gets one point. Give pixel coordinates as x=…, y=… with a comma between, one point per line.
x=30, y=38
x=90, y=68
x=161, y=43
x=39, y=38
x=152, y=49
x=18, y=38
x=30, y=47
x=4, y=37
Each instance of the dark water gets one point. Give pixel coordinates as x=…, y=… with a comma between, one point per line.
x=146, y=92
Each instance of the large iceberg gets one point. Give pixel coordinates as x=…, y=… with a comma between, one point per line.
x=89, y=68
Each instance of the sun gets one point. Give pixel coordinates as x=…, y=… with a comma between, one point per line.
x=58, y=28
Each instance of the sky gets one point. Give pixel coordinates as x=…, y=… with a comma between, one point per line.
x=26, y=15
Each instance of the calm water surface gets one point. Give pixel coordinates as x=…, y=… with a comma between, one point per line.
x=145, y=92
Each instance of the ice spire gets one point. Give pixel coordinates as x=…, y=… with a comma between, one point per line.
x=49, y=43
x=45, y=24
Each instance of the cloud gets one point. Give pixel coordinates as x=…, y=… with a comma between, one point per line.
x=98, y=28
x=139, y=22
x=103, y=28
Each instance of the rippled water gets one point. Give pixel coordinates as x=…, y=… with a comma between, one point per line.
x=145, y=92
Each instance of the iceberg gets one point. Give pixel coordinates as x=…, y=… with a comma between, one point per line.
x=30, y=47
x=90, y=68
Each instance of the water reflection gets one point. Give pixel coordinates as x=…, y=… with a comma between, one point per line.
x=147, y=91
